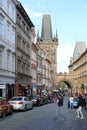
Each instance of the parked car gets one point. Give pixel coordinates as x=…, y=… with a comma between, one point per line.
x=50, y=98
x=21, y=103
x=37, y=100
x=5, y=107
x=75, y=102
x=44, y=99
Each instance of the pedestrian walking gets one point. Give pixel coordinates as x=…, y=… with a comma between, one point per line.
x=79, y=109
x=59, y=111
x=85, y=102
x=71, y=102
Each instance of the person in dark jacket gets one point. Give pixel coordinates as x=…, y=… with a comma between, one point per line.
x=60, y=101
x=60, y=106
x=79, y=109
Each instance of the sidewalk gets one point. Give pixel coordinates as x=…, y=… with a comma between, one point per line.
x=70, y=122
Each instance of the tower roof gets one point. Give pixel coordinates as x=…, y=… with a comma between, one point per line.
x=80, y=47
x=46, y=28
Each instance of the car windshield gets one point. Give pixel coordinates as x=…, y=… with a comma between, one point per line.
x=75, y=99
x=34, y=97
x=16, y=99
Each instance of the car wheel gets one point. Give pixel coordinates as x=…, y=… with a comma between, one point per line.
x=39, y=104
x=0, y=114
x=32, y=106
x=11, y=111
x=25, y=109
x=3, y=114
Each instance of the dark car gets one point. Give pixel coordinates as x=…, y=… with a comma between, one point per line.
x=5, y=107
x=37, y=100
x=44, y=99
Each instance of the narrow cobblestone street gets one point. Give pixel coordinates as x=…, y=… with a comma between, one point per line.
x=43, y=118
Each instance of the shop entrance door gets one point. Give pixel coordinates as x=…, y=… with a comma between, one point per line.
x=1, y=92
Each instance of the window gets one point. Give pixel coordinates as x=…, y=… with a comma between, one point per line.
x=19, y=65
x=1, y=58
x=8, y=60
x=8, y=32
x=23, y=68
x=1, y=26
x=19, y=40
x=26, y=69
x=8, y=6
x=18, y=19
x=13, y=36
x=13, y=13
x=23, y=25
x=13, y=62
x=23, y=44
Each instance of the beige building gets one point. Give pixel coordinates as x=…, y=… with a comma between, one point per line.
x=78, y=67
x=39, y=71
x=44, y=72
x=80, y=73
x=48, y=73
x=49, y=44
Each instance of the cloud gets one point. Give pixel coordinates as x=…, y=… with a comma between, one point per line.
x=31, y=12
x=64, y=52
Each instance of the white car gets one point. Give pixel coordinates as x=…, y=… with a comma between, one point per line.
x=21, y=103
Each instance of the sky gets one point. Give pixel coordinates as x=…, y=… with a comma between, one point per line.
x=68, y=17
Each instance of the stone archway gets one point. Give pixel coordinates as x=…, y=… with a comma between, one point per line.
x=67, y=78
x=68, y=84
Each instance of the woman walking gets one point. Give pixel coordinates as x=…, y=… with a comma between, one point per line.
x=79, y=109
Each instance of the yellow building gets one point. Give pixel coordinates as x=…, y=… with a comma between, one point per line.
x=48, y=70
x=80, y=72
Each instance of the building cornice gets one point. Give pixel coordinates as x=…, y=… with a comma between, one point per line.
x=24, y=14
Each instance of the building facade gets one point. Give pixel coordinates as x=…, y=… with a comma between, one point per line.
x=7, y=47
x=78, y=67
x=48, y=74
x=39, y=72
x=49, y=44
x=23, y=50
x=80, y=73
x=34, y=51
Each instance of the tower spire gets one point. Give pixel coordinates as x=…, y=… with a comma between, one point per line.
x=56, y=34
x=46, y=27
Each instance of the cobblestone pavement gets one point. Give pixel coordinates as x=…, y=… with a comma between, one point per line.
x=45, y=118
x=70, y=122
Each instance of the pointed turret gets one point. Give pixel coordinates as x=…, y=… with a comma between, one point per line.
x=37, y=33
x=80, y=47
x=56, y=34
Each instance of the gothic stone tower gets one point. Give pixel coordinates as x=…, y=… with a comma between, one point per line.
x=49, y=43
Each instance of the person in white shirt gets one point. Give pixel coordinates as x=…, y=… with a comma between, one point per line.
x=71, y=102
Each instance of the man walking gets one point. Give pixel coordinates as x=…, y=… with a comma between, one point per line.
x=59, y=108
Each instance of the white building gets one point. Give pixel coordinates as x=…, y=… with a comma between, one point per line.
x=7, y=47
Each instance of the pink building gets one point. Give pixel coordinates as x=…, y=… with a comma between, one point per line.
x=33, y=60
